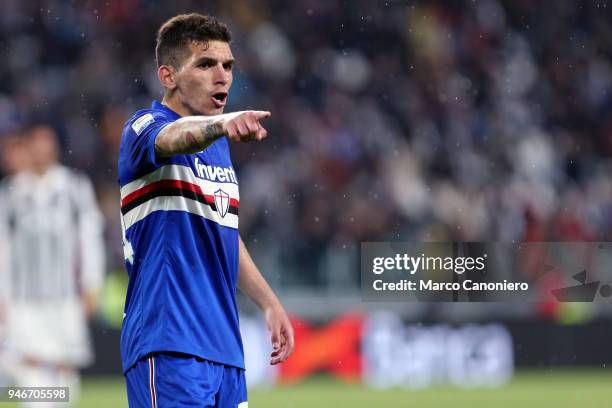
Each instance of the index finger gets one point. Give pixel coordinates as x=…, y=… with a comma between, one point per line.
x=289, y=344
x=259, y=115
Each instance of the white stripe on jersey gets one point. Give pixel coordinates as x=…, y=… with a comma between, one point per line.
x=172, y=203
x=178, y=172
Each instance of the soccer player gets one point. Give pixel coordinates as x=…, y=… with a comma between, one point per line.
x=51, y=265
x=14, y=160
x=180, y=341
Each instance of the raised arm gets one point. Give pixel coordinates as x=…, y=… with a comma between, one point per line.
x=191, y=134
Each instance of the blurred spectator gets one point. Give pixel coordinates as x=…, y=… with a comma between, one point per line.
x=52, y=263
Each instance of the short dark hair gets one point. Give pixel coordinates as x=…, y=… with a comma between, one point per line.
x=175, y=35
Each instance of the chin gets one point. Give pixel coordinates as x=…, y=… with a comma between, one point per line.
x=204, y=109
x=210, y=111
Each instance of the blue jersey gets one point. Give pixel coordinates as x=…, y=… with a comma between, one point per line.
x=180, y=221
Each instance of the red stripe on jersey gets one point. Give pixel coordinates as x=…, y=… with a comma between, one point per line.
x=172, y=184
x=152, y=382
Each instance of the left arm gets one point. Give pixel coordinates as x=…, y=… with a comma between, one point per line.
x=253, y=284
x=91, y=243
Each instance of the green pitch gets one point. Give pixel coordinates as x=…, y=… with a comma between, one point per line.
x=556, y=388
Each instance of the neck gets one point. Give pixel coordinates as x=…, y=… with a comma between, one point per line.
x=171, y=101
x=40, y=169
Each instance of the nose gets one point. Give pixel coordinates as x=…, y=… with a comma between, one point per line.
x=221, y=75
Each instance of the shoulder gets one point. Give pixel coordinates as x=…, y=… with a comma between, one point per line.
x=5, y=184
x=16, y=182
x=75, y=183
x=17, y=186
x=144, y=118
x=73, y=174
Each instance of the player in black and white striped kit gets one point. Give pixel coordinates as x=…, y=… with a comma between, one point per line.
x=51, y=266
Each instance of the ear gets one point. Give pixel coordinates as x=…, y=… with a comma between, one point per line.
x=165, y=74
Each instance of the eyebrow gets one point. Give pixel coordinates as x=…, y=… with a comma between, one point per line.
x=214, y=60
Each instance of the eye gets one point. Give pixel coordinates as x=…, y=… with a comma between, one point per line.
x=206, y=64
x=228, y=66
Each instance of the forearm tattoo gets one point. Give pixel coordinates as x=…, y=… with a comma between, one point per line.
x=211, y=131
x=192, y=136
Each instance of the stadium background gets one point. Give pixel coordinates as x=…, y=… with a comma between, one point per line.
x=392, y=120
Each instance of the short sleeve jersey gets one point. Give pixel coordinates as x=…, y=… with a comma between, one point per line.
x=180, y=223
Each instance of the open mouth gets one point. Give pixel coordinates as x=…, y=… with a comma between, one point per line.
x=219, y=99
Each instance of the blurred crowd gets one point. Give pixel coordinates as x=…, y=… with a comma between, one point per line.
x=480, y=120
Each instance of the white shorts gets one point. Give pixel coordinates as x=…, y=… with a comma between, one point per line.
x=53, y=332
